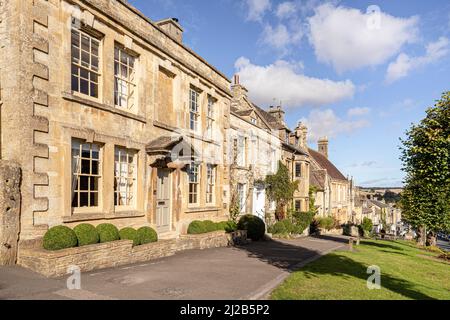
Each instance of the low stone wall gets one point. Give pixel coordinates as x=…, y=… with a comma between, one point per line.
x=118, y=253
x=331, y=232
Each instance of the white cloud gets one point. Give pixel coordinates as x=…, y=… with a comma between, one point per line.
x=404, y=64
x=286, y=10
x=281, y=37
x=285, y=81
x=322, y=123
x=357, y=112
x=342, y=38
x=257, y=9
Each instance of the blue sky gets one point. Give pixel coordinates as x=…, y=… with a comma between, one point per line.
x=357, y=74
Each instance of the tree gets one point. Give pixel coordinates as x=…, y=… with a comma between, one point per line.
x=391, y=197
x=281, y=189
x=426, y=161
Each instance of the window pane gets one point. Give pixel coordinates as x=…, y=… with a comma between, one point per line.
x=84, y=199
x=75, y=83
x=84, y=86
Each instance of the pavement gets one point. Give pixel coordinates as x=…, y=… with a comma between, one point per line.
x=249, y=272
x=444, y=245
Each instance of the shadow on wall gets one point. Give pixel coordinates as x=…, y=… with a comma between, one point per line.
x=287, y=256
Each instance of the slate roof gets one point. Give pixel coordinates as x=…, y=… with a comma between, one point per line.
x=379, y=204
x=324, y=163
x=163, y=144
x=317, y=179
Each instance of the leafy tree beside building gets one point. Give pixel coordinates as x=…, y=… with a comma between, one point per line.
x=426, y=161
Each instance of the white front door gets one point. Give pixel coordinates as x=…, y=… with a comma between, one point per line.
x=259, y=201
x=163, y=200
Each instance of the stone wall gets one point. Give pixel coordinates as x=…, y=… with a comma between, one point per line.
x=10, y=176
x=118, y=253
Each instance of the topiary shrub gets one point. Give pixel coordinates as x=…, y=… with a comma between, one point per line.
x=129, y=234
x=221, y=225
x=196, y=227
x=60, y=237
x=230, y=226
x=108, y=232
x=210, y=226
x=86, y=234
x=254, y=225
x=146, y=235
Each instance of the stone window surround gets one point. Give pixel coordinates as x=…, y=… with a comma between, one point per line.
x=106, y=208
x=135, y=56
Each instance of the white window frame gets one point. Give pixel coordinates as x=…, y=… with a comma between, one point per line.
x=210, y=183
x=194, y=113
x=194, y=171
x=210, y=117
x=77, y=173
x=125, y=86
x=79, y=66
x=298, y=174
x=125, y=168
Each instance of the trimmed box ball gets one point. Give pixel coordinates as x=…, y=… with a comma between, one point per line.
x=60, y=237
x=108, y=232
x=86, y=234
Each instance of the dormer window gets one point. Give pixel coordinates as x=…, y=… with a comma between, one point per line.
x=253, y=120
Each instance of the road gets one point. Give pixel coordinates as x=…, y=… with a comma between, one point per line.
x=444, y=245
x=247, y=272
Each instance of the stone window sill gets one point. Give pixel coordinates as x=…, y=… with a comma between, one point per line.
x=102, y=216
x=202, y=209
x=74, y=98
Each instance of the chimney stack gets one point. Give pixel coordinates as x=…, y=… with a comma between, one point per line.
x=172, y=27
x=301, y=132
x=277, y=113
x=323, y=146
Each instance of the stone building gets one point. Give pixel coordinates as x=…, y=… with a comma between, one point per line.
x=254, y=150
x=110, y=117
x=333, y=196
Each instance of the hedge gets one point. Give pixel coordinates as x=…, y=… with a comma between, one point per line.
x=60, y=237
x=129, y=234
x=86, y=234
x=146, y=235
x=108, y=232
x=255, y=227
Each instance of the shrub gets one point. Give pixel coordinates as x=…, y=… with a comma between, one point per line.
x=210, y=226
x=146, y=235
x=221, y=225
x=231, y=226
x=367, y=224
x=108, y=232
x=86, y=234
x=129, y=234
x=254, y=225
x=302, y=220
x=60, y=237
x=278, y=228
x=196, y=227
x=326, y=223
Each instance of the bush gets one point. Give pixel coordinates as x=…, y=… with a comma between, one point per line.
x=146, y=235
x=86, y=234
x=290, y=228
x=210, y=226
x=231, y=226
x=221, y=225
x=129, y=234
x=326, y=223
x=302, y=220
x=278, y=228
x=60, y=237
x=197, y=227
x=367, y=224
x=254, y=225
x=108, y=232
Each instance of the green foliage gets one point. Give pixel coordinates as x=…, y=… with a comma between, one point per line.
x=231, y=226
x=281, y=189
x=288, y=225
x=146, y=235
x=86, y=234
x=426, y=161
x=221, y=225
x=326, y=223
x=280, y=227
x=391, y=197
x=254, y=225
x=302, y=221
x=367, y=225
x=129, y=234
x=210, y=226
x=60, y=237
x=197, y=227
x=108, y=232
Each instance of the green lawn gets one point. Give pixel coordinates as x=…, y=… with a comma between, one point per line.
x=406, y=273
